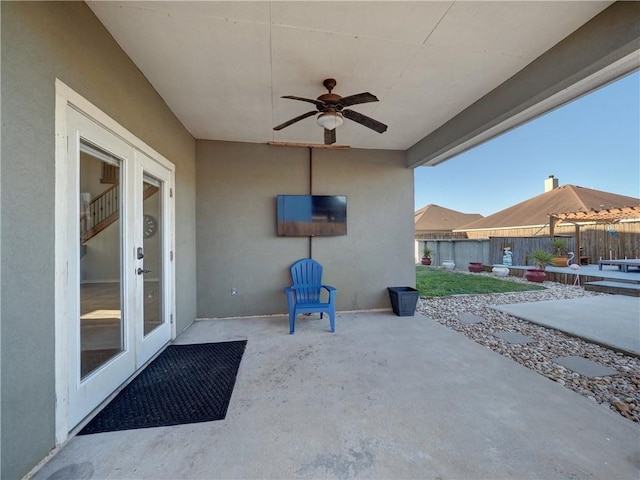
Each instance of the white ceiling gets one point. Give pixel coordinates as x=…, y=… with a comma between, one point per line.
x=223, y=66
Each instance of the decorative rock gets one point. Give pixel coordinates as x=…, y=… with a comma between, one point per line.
x=620, y=393
x=623, y=407
x=513, y=337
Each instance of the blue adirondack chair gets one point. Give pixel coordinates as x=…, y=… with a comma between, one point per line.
x=304, y=295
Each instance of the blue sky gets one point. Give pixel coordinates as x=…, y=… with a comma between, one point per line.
x=592, y=142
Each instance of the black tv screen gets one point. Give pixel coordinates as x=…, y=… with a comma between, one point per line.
x=311, y=215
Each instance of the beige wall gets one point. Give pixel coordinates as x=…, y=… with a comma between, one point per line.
x=42, y=41
x=237, y=246
x=237, y=185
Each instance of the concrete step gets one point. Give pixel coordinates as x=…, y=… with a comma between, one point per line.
x=617, y=288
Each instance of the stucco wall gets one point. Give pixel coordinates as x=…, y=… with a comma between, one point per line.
x=237, y=246
x=42, y=41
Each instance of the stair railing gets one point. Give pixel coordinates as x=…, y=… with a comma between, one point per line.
x=103, y=210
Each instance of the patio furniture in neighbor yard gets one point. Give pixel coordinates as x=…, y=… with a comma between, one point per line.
x=582, y=258
x=304, y=296
x=621, y=264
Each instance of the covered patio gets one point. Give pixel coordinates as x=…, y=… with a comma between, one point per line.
x=383, y=397
x=187, y=95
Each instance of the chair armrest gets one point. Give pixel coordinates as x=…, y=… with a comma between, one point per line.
x=332, y=292
x=292, y=291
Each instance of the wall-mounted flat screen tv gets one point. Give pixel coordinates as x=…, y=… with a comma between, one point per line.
x=311, y=215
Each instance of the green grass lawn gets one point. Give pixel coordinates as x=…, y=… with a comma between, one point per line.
x=435, y=282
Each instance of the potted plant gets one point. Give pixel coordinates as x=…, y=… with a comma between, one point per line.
x=476, y=267
x=559, y=249
x=541, y=258
x=426, y=256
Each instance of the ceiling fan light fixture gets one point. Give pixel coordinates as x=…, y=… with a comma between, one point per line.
x=330, y=120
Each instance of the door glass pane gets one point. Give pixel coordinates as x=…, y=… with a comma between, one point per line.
x=152, y=241
x=101, y=323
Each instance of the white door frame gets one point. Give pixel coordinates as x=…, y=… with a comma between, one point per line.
x=65, y=244
x=150, y=344
x=86, y=393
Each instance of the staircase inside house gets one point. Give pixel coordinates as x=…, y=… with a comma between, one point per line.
x=104, y=210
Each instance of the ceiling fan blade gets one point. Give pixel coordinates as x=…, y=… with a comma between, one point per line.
x=294, y=120
x=317, y=103
x=364, y=120
x=329, y=136
x=357, y=99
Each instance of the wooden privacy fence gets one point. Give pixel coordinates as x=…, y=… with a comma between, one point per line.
x=522, y=248
x=613, y=240
x=598, y=241
x=443, y=235
x=621, y=240
x=608, y=233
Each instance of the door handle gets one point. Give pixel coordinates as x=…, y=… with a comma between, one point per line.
x=142, y=271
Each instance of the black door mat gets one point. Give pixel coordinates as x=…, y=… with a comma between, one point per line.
x=184, y=384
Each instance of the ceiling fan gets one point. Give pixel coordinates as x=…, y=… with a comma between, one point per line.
x=332, y=110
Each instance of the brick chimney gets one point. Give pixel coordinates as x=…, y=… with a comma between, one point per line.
x=550, y=183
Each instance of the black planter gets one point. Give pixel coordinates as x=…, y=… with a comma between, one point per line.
x=403, y=300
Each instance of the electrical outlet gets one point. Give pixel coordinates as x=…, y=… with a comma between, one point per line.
x=234, y=291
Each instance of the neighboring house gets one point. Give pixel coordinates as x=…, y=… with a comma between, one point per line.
x=73, y=95
x=531, y=218
x=433, y=221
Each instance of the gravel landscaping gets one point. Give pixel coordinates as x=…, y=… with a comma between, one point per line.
x=620, y=393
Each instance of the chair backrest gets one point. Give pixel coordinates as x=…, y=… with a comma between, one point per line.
x=306, y=274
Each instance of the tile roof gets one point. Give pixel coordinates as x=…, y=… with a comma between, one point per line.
x=564, y=199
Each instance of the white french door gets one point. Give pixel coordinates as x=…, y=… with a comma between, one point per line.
x=153, y=271
x=119, y=297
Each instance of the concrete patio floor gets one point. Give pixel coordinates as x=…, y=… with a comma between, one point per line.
x=609, y=320
x=383, y=397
